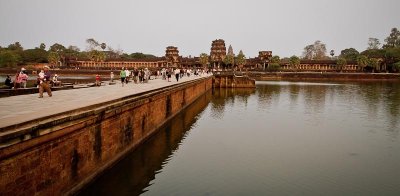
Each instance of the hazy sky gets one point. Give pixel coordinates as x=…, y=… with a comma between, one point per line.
x=149, y=26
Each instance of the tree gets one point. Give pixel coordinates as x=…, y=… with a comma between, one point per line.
x=229, y=60
x=275, y=59
x=96, y=56
x=103, y=46
x=373, y=63
x=340, y=63
x=93, y=44
x=308, y=52
x=34, y=56
x=362, y=62
x=9, y=58
x=315, y=51
x=274, y=64
x=42, y=46
x=53, y=58
x=240, y=59
x=373, y=43
x=350, y=54
x=16, y=46
x=332, y=53
x=294, y=62
x=393, y=40
x=60, y=50
x=396, y=67
x=204, y=59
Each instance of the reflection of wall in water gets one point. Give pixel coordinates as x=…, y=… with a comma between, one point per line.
x=133, y=174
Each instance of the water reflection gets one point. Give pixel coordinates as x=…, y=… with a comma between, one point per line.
x=226, y=97
x=132, y=175
x=282, y=138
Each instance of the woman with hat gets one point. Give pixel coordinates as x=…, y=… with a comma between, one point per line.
x=45, y=82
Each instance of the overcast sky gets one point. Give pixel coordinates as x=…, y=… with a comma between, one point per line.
x=149, y=26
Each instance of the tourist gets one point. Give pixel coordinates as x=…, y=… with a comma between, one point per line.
x=98, y=83
x=135, y=75
x=122, y=75
x=17, y=81
x=112, y=77
x=45, y=82
x=55, y=80
x=163, y=73
x=169, y=73
x=8, y=82
x=23, y=78
x=127, y=74
x=177, y=72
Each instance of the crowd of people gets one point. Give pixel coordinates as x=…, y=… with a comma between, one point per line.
x=144, y=75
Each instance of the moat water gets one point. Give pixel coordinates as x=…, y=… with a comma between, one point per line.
x=282, y=138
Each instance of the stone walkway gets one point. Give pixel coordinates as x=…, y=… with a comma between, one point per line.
x=22, y=108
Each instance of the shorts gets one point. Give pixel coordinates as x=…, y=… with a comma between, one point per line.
x=122, y=79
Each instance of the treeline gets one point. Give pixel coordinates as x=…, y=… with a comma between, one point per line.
x=374, y=58
x=57, y=54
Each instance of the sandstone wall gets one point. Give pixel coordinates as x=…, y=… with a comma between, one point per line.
x=60, y=154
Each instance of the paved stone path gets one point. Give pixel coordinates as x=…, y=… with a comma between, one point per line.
x=22, y=108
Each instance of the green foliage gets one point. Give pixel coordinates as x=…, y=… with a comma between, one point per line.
x=362, y=61
x=373, y=63
x=57, y=48
x=229, y=60
x=96, y=56
x=204, y=59
x=374, y=53
x=240, y=58
x=53, y=58
x=275, y=59
x=340, y=63
x=139, y=55
x=393, y=40
x=9, y=58
x=273, y=67
x=34, y=56
x=350, y=54
x=294, y=61
x=396, y=66
x=16, y=46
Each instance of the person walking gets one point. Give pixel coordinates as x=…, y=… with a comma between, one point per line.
x=169, y=73
x=45, y=82
x=177, y=72
x=122, y=75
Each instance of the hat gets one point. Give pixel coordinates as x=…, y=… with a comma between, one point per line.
x=23, y=69
x=55, y=75
x=46, y=67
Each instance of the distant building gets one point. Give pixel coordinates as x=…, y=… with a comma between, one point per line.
x=218, y=52
x=172, y=56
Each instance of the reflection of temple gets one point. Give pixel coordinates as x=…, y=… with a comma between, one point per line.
x=172, y=56
x=218, y=52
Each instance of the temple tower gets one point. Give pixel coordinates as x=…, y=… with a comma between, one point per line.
x=172, y=56
x=218, y=52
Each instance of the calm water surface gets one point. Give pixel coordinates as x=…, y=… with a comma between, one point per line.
x=282, y=138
